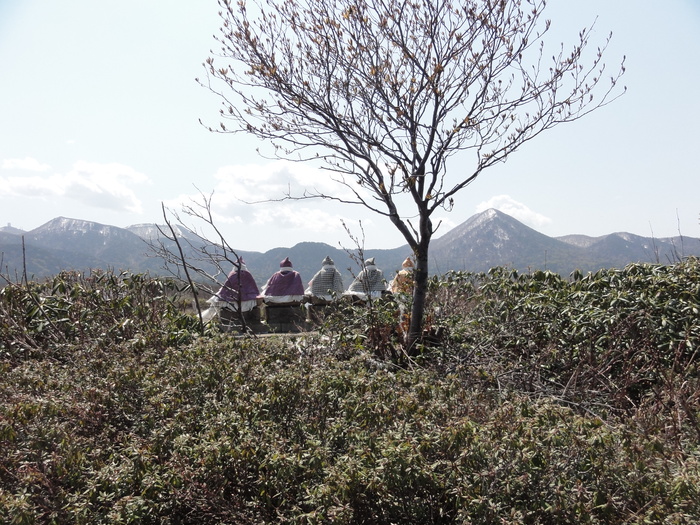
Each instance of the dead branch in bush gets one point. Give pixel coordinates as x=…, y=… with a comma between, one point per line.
x=183, y=262
x=184, y=248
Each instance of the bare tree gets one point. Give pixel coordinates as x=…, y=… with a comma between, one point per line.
x=383, y=93
x=186, y=249
x=183, y=262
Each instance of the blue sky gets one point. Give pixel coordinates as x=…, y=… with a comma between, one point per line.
x=99, y=118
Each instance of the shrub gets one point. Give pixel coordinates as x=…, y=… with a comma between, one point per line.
x=99, y=309
x=619, y=342
x=510, y=420
x=377, y=325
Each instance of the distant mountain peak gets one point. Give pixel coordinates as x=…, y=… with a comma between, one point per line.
x=150, y=231
x=486, y=215
x=12, y=230
x=490, y=213
x=492, y=216
x=66, y=224
x=485, y=240
x=490, y=224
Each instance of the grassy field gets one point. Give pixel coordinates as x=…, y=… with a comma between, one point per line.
x=536, y=399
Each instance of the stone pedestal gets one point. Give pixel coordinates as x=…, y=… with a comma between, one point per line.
x=286, y=318
x=231, y=321
x=316, y=312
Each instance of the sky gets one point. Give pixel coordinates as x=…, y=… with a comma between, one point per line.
x=99, y=120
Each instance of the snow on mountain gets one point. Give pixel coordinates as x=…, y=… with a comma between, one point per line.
x=488, y=239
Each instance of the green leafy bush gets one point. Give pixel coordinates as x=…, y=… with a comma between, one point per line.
x=101, y=309
x=377, y=325
x=613, y=339
x=526, y=413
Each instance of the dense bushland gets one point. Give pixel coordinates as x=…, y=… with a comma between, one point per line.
x=536, y=399
x=616, y=339
x=102, y=309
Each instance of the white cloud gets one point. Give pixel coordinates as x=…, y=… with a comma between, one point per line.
x=515, y=209
x=313, y=220
x=255, y=195
x=32, y=186
x=241, y=199
x=443, y=223
x=109, y=186
x=25, y=164
x=272, y=181
x=250, y=199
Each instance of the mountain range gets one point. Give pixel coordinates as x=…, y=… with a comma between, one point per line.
x=488, y=239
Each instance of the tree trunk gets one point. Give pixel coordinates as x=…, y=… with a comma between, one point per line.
x=420, y=288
